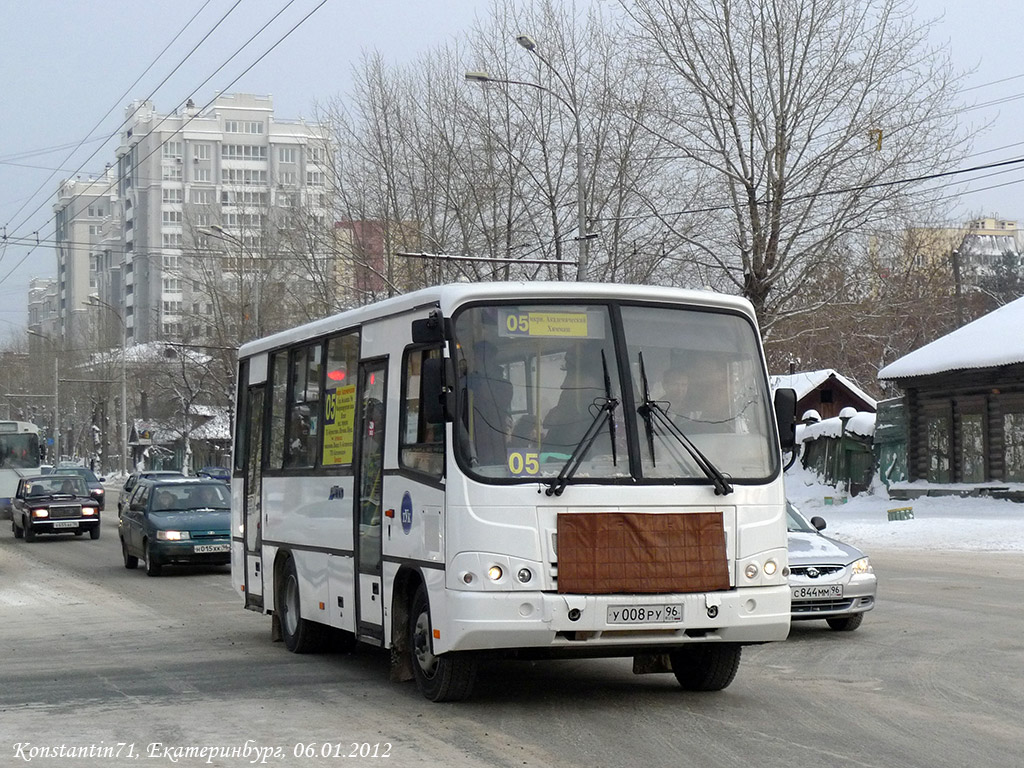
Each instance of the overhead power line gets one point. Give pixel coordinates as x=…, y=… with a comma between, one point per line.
x=232, y=82
x=119, y=101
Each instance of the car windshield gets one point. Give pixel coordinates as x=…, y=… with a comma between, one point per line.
x=190, y=496
x=83, y=472
x=540, y=384
x=52, y=485
x=796, y=522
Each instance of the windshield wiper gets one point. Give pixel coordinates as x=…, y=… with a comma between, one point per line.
x=653, y=412
x=604, y=413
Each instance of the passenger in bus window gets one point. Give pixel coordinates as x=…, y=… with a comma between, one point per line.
x=525, y=433
x=568, y=420
x=696, y=408
x=489, y=405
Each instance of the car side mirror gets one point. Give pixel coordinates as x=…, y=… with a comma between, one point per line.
x=818, y=522
x=103, y=479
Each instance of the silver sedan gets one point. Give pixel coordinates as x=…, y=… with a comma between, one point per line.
x=829, y=580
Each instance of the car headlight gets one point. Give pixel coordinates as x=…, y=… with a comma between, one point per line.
x=172, y=535
x=40, y=513
x=860, y=567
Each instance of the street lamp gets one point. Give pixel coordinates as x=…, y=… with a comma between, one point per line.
x=96, y=301
x=583, y=238
x=55, y=458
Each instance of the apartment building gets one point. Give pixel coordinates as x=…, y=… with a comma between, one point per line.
x=81, y=208
x=43, y=312
x=223, y=169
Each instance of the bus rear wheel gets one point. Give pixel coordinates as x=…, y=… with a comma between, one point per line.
x=300, y=635
x=706, y=666
x=444, y=677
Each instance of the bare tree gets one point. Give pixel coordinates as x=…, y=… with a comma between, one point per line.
x=802, y=121
x=433, y=163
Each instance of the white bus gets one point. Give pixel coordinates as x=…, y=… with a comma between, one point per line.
x=510, y=469
x=19, y=457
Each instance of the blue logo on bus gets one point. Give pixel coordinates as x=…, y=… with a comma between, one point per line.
x=407, y=512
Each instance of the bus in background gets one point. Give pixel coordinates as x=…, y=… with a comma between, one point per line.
x=19, y=457
x=523, y=470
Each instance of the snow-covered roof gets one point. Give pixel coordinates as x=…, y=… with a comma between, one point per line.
x=149, y=352
x=992, y=340
x=213, y=423
x=988, y=245
x=862, y=423
x=806, y=382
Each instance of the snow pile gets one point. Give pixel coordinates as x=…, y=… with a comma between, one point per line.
x=940, y=522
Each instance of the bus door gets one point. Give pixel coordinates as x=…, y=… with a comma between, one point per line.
x=252, y=496
x=369, y=501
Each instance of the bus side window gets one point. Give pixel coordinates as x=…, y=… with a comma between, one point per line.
x=422, y=443
x=278, y=403
x=304, y=406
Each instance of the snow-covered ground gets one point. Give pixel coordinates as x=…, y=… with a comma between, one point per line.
x=939, y=523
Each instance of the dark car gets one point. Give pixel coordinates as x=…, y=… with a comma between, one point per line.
x=54, y=504
x=133, y=479
x=215, y=473
x=185, y=521
x=95, y=484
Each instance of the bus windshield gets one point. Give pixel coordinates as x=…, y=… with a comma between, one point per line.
x=617, y=390
x=19, y=451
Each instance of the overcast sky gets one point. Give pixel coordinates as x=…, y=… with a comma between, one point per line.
x=68, y=69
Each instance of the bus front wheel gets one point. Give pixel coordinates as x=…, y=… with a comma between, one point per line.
x=300, y=635
x=706, y=666
x=444, y=677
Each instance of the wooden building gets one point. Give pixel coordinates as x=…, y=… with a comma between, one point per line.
x=964, y=398
x=824, y=391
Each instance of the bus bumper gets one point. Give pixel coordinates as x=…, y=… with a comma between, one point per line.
x=586, y=623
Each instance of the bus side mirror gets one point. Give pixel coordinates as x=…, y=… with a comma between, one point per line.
x=434, y=389
x=785, y=416
x=429, y=330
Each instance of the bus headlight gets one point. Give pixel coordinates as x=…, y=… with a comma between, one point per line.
x=494, y=573
x=751, y=571
x=770, y=567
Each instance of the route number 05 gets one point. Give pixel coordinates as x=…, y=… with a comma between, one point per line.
x=523, y=463
x=518, y=323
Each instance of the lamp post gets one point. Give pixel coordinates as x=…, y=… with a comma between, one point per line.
x=217, y=231
x=582, y=236
x=96, y=301
x=55, y=459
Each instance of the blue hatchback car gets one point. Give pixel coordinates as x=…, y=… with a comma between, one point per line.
x=176, y=522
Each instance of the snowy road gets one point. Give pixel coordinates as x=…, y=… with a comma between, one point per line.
x=96, y=655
